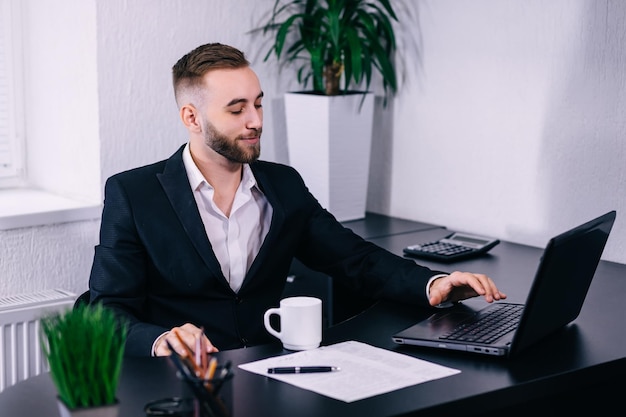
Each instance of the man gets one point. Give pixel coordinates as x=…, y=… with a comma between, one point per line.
x=203, y=241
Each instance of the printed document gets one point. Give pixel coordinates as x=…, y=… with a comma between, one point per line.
x=365, y=370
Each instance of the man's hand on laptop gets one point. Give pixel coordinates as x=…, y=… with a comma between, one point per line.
x=462, y=285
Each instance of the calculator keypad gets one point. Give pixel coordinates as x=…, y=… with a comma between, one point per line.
x=451, y=248
x=440, y=248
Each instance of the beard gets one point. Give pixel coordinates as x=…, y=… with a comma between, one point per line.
x=234, y=150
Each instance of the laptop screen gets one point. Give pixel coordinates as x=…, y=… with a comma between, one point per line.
x=563, y=278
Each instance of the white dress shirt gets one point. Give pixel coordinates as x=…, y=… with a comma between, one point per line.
x=236, y=239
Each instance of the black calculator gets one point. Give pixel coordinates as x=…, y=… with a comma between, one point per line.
x=453, y=247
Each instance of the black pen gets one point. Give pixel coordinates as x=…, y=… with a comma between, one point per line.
x=302, y=369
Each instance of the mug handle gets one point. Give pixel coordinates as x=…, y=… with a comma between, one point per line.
x=266, y=321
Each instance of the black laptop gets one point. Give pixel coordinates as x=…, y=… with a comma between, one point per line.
x=555, y=299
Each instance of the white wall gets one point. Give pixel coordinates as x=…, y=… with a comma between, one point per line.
x=515, y=124
x=523, y=100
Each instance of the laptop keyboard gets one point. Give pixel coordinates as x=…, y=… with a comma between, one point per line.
x=488, y=325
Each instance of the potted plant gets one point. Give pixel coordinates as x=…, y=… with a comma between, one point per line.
x=331, y=39
x=84, y=348
x=336, y=47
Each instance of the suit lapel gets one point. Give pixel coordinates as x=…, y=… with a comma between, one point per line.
x=176, y=186
x=278, y=218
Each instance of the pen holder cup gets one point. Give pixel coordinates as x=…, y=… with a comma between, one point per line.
x=211, y=397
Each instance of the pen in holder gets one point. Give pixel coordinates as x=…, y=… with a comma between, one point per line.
x=212, y=398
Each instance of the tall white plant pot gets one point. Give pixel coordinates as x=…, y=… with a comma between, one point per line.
x=329, y=142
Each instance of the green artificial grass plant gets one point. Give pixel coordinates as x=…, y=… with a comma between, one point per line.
x=84, y=347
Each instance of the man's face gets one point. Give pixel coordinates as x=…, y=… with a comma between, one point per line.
x=233, y=115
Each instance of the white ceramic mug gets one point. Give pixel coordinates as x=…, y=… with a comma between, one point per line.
x=300, y=322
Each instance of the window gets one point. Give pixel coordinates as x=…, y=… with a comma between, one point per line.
x=11, y=162
x=49, y=155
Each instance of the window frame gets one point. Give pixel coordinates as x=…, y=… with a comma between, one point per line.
x=12, y=95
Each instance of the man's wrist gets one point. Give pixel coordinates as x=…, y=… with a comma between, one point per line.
x=429, y=284
x=156, y=343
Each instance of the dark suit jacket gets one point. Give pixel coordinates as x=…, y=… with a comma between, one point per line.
x=155, y=265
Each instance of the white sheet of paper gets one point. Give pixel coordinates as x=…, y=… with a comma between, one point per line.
x=365, y=370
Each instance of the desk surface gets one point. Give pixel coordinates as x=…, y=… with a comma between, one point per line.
x=586, y=353
x=376, y=225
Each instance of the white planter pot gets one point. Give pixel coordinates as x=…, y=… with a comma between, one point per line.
x=329, y=142
x=110, y=410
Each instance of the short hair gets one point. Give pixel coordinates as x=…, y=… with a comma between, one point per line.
x=187, y=73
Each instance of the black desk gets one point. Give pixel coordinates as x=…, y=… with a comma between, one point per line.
x=581, y=366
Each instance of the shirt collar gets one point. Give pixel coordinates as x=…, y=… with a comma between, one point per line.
x=248, y=181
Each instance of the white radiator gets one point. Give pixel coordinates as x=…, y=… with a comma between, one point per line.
x=20, y=338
